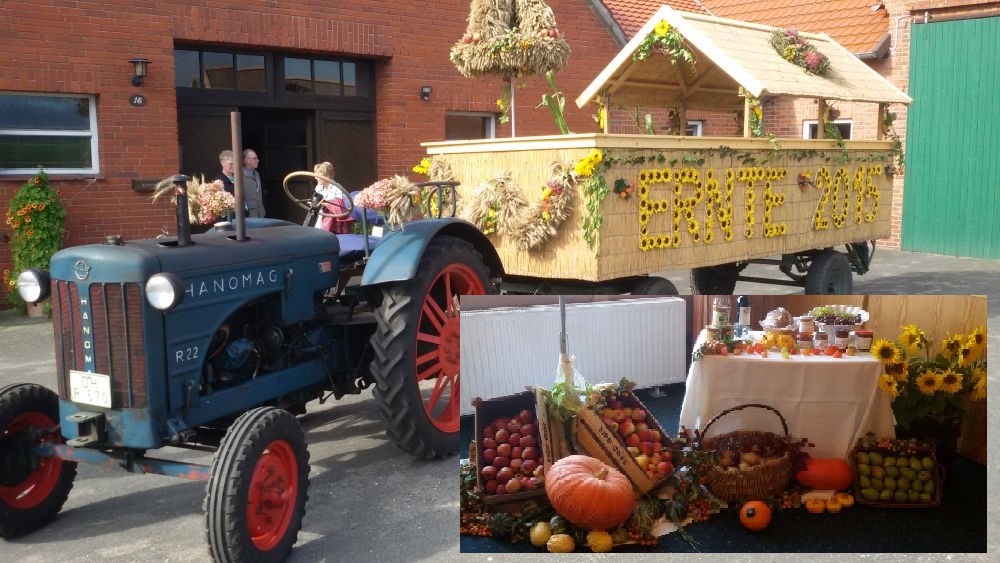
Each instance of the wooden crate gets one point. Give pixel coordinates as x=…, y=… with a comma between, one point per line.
x=757, y=174
x=918, y=451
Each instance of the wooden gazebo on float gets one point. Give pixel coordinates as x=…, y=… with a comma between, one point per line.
x=602, y=208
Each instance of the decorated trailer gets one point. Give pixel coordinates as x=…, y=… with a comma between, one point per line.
x=604, y=211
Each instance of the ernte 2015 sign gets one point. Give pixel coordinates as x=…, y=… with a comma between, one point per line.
x=702, y=202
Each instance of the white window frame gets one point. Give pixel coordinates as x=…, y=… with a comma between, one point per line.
x=699, y=127
x=810, y=122
x=92, y=133
x=491, y=123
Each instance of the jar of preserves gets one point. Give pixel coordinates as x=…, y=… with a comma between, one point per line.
x=821, y=340
x=807, y=324
x=863, y=340
x=804, y=341
x=840, y=338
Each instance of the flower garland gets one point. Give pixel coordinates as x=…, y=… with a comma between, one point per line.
x=666, y=40
x=756, y=118
x=36, y=217
x=795, y=49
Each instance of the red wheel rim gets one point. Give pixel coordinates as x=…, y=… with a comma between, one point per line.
x=273, y=492
x=437, y=361
x=40, y=483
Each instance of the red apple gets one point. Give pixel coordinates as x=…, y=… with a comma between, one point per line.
x=626, y=428
x=642, y=460
x=628, y=412
x=632, y=440
x=491, y=486
x=514, y=439
x=641, y=426
x=638, y=414
x=502, y=436
x=500, y=462
x=489, y=443
x=513, y=486
x=528, y=466
x=501, y=422
x=607, y=412
x=527, y=441
x=489, y=432
x=664, y=467
x=529, y=483
x=501, y=489
x=503, y=450
x=526, y=416
x=530, y=453
x=516, y=452
x=654, y=435
x=514, y=426
x=515, y=463
x=528, y=429
x=504, y=474
x=657, y=447
x=489, y=472
x=644, y=434
x=489, y=454
x=535, y=482
x=646, y=447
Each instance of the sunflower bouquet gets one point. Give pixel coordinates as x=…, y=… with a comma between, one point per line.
x=922, y=384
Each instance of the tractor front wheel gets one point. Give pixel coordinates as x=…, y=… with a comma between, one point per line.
x=256, y=496
x=416, y=344
x=32, y=489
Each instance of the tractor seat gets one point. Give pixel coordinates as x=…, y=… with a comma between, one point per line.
x=352, y=246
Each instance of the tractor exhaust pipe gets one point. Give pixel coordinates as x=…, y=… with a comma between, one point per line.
x=241, y=227
x=183, y=222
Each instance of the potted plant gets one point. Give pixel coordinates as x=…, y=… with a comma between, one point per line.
x=37, y=221
x=930, y=392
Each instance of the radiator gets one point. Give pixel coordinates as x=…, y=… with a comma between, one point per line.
x=504, y=350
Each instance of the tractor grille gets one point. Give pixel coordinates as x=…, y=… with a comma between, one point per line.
x=115, y=334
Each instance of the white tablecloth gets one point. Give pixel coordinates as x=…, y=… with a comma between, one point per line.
x=830, y=401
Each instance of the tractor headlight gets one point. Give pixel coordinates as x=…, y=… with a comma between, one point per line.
x=164, y=291
x=33, y=285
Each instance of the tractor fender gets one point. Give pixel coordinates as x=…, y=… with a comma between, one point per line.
x=397, y=256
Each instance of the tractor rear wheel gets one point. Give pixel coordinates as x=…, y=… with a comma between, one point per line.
x=829, y=274
x=256, y=496
x=32, y=489
x=416, y=344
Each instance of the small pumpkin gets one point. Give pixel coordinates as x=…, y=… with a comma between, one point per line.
x=833, y=506
x=816, y=505
x=755, y=515
x=844, y=499
x=540, y=534
x=599, y=541
x=589, y=493
x=560, y=543
x=825, y=474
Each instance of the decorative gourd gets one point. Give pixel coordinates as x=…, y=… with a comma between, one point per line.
x=599, y=541
x=755, y=515
x=589, y=493
x=559, y=525
x=540, y=534
x=561, y=543
x=825, y=474
x=816, y=505
x=844, y=499
x=832, y=505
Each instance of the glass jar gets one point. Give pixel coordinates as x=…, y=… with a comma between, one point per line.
x=720, y=310
x=804, y=340
x=821, y=340
x=807, y=324
x=863, y=340
x=840, y=338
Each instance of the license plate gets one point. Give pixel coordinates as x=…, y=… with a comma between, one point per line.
x=90, y=388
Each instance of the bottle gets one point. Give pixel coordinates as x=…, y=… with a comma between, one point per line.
x=742, y=329
x=720, y=311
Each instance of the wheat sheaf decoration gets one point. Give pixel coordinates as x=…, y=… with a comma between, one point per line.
x=509, y=38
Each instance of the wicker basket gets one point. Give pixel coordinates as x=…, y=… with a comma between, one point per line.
x=769, y=478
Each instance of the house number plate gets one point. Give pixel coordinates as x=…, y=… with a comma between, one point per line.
x=90, y=388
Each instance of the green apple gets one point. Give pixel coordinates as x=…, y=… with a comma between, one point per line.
x=864, y=482
x=878, y=471
x=924, y=475
x=892, y=471
x=889, y=483
x=864, y=469
x=885, y=495
x=900, y=496
x=917, y=486
x=862, y=457
x=913, y=496
x=903, y=484
x=875, y=458
x=925, y=497
x=916, y=464
x=901, y=461
x=877, y=484
x=908, y=473
x=889, y=461
x=927, y=463
x=869, y=493
x=929, y=487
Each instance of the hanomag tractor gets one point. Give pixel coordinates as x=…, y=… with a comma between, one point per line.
x=215, y=340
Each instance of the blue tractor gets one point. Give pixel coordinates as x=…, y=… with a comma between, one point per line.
x=216, y=340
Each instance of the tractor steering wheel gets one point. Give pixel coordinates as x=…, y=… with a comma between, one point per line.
x=308, y=204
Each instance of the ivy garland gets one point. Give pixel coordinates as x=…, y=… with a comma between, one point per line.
x=666, y=40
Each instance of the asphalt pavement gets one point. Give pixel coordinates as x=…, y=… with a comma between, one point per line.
x=367, y=500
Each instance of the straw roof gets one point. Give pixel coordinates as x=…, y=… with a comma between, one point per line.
x=731, y=54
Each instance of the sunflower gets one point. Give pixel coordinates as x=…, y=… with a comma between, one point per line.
x=951, y=382
x=913, y=338
x=978, y=341
x=899, y=371
x=886, y=352
x=929, y=382
x=888, y=385
x=979, y=391
x=950, y=346
x=662, y=28
x=977, y=374
x=966, y=354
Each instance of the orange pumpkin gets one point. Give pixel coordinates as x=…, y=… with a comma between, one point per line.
x=589, y=493
x=755, y=515
x=825, y=474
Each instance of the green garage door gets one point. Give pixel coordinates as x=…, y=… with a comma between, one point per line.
x=951, y=203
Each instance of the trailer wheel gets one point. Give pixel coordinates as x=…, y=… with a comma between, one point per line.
x=416, y=345
x=829, y=274
x=654, y=285
x=715, y=280
x=32, y=489
x=256, y=496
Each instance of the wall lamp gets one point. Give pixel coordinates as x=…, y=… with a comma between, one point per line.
x=425, y=93
x=139, y=64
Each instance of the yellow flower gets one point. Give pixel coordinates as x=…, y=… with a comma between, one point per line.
x=950, y=346
x=500, y=104
x=966, y=354
x=886, y=352
x=899, y=371
x=978, y=341
x=929, y=382
x=913, y=338
x=951, y=382
x=978, y=373
x=662, y=28
x=979, y=391
x=887, y=384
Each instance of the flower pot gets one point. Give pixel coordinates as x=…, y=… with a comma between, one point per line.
x=944, y=433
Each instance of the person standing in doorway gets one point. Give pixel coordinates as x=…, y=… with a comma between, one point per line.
x=253, y=189
x=228, y=170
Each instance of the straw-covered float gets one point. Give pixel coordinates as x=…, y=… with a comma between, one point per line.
x=608, y=210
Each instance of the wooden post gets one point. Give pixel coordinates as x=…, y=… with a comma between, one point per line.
x=682, y=119
x=882, y=109
x=746, y=116
x=820, y=115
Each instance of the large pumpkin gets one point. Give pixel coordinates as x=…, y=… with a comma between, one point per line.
x=589, y=493
x=825, y=474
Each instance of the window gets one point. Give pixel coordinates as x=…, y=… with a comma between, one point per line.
x=327, y=78
x=55, y=131
x=809, y=128
x=694, y=128
x=462, y=125
x=219, y=71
